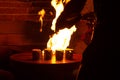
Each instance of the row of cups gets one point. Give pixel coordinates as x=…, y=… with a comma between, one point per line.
x=47, y=54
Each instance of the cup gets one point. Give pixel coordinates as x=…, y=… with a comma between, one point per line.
x=47, y=54
x=69, y=54
x=36, y=54
x=59, y=55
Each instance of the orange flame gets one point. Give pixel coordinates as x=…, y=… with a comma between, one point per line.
x=59, y=7
x=60, y=40
x=41, y=13
x=66, y=1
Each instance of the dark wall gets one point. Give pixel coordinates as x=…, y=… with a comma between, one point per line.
x=19, y=26
x=19, y=22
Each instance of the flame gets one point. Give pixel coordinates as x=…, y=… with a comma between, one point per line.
x=41, y=13
x=60, y=40
x=59, y=7
x=66, y=1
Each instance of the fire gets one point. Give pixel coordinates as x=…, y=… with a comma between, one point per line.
x=60, y=40
x=66, y=1
x=59, y=7
x=41, y=13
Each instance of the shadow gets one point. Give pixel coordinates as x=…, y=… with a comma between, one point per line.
x=32, y=32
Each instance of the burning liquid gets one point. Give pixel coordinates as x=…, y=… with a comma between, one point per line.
x=60, y=40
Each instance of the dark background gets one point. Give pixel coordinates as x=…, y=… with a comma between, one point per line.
x=20, y=26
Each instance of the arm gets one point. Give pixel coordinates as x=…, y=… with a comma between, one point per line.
x=71, y=14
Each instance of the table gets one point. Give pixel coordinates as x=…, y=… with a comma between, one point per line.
x=25, y=68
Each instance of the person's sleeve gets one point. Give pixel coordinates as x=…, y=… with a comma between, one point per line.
x=70, y=15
